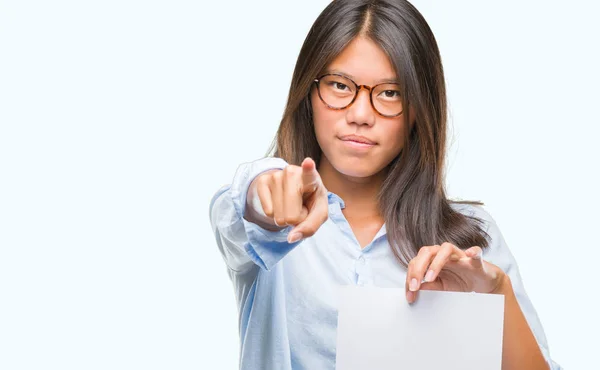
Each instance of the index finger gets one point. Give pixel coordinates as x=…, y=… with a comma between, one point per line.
x=310, y=176
x=447, y=253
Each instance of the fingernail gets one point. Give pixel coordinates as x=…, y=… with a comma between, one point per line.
x=410, y=296
x=414, y=285
x=294, y=237
x=429, y=276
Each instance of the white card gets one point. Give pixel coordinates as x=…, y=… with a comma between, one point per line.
x=379, y=330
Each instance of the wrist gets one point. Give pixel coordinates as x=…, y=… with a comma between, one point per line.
x=504, y=285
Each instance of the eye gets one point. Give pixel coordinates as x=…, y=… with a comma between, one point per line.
x=391, y=93
x=339, y=85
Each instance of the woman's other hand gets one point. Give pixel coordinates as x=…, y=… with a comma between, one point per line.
x=448, y=268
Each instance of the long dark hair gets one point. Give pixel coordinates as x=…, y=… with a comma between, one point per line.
x=412, y=198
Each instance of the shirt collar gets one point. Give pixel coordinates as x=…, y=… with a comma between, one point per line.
x=333, y=198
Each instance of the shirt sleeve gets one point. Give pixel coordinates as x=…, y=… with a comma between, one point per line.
x=244, y=244
x=499, y=254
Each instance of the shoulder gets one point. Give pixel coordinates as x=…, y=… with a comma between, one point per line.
x=497, y=251
x=475, y=211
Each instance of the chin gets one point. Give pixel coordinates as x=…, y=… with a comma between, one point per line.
x=356, y=167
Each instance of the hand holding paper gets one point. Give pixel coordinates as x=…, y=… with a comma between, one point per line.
x=449, y=268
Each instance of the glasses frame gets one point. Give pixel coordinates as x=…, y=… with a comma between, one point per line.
x=370, y=89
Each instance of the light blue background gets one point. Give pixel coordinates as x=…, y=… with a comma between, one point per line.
x=116, y=123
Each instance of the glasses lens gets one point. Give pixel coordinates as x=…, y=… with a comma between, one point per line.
x=387, y=99
x=336, y=91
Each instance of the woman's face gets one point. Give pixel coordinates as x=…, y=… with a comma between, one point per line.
x=365, y=63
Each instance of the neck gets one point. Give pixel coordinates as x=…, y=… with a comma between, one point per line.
x=359, y=193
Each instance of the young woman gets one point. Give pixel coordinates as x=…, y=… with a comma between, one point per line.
x=354, y=194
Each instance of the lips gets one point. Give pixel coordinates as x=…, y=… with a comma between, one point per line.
x=358, y=139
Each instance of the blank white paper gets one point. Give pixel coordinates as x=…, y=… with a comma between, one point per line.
x=379, y=330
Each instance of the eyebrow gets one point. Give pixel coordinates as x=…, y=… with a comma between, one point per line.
x=385, y=80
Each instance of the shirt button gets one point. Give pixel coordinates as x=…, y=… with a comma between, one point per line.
x=361, y=266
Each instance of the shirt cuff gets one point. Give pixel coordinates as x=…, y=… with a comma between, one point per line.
x=245, y=174
x=264, y=247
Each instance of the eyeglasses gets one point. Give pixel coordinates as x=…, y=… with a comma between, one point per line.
x=339, y=92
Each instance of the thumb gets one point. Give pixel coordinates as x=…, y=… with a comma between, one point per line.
x=476, y=256
x=310, y=176
x=317, y=215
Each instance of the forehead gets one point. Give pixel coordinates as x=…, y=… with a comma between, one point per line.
x=365, y=62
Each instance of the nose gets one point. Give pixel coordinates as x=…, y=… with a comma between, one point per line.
x=361, y=111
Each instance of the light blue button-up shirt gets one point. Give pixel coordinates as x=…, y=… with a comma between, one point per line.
x=286, y=293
